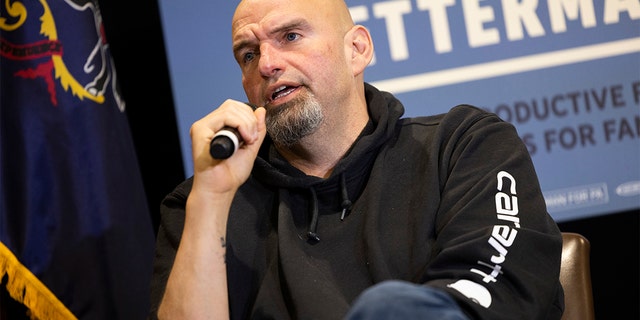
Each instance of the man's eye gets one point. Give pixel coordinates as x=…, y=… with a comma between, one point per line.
x=292, y=36
x=248, y=56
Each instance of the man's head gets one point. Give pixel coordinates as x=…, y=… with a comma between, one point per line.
x=297, y=54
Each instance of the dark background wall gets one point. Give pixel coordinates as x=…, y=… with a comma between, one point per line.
x=134, y=34
x=136, y=40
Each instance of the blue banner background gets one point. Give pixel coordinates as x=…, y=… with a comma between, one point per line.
x=586, y=150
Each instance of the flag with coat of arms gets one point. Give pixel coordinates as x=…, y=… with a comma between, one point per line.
x=76, y=236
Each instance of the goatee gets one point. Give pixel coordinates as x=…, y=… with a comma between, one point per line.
x=288, y=123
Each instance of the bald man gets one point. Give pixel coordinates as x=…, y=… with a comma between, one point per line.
x=337, y=207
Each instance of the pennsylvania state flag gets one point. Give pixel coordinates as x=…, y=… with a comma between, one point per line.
x=76, y=236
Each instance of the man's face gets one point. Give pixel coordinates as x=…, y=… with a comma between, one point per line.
x=290, y=48
x=293, y=61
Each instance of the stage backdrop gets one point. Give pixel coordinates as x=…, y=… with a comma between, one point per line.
x=565, y=73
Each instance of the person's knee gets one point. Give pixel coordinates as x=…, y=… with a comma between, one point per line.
x=394, y=299
x=384, y=293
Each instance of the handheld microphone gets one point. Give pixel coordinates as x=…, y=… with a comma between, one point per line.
x=226, y=141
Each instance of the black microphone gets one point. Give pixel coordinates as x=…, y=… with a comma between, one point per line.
x=226, y=141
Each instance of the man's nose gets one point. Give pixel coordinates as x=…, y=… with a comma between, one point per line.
x=270, y=61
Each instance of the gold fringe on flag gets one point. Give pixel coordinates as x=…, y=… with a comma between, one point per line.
x=25, y=288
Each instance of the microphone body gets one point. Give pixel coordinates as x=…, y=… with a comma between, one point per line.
x=226, y=141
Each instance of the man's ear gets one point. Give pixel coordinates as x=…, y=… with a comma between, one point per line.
x=361, y=48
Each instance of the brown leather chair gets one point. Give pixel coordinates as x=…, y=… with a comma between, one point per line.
x=575, y=276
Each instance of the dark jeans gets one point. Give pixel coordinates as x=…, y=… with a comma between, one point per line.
x=404, y=300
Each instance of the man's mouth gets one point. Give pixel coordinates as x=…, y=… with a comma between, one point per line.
x=282, y=92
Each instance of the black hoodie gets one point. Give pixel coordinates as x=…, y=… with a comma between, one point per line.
x=451, y=201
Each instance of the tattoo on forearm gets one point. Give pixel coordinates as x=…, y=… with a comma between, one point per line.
x=223, y=243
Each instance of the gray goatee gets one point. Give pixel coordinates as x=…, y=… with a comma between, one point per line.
x=294, y=120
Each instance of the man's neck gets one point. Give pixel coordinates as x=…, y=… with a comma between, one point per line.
x=318, y=153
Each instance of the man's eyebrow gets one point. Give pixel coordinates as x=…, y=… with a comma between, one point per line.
x=294, y=24
x=237, y=47
x=291, y=25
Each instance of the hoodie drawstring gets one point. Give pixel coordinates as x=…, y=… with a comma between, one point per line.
x=312, y=235
x=346, y=203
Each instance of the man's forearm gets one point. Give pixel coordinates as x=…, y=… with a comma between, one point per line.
x=197, y=284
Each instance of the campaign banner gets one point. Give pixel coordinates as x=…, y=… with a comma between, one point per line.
x=566, y=73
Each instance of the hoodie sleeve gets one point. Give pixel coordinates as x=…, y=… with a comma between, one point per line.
x=172, y=215
x=492, y=224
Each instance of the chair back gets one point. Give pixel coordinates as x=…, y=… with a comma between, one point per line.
x=575, y=277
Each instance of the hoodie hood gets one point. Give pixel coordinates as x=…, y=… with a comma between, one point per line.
x=384, y=112
x=349, y=176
